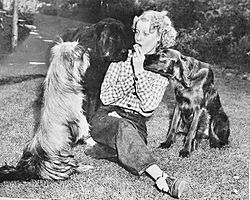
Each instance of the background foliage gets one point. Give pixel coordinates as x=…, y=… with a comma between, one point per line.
x=211, y=30
x=210, y=173
x=6, y=31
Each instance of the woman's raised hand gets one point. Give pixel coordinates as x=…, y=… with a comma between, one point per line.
x=138, y=59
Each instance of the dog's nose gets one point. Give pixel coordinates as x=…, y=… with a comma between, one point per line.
x=124, y=51
x=178, y=92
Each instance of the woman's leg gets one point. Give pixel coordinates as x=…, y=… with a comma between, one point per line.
x=125, y=137
x=129, y=144
x=132, y=150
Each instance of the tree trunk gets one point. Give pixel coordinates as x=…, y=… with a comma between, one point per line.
x=14, y=25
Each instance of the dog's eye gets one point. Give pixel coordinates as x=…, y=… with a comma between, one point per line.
x=111, y=39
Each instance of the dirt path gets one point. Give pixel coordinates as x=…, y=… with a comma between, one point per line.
x=211, y=173
x=30, y=55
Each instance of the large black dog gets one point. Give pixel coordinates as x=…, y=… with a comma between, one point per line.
x=198, y=111
x=107, y=42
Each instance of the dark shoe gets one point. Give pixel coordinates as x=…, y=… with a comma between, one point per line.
x=176, y=186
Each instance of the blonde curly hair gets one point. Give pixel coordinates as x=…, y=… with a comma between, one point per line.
x=161, y=22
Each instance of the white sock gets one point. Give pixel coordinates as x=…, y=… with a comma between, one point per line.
x=159, y=176
x=154, y=171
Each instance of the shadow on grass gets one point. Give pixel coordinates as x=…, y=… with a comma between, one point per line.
x=37, y=104
x=18, y=79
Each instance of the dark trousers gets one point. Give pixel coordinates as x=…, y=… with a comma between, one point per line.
x=124, y=139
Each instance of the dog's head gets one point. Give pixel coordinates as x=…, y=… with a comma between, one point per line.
x=69, y=62
x=110, y=39
x=106, y=40
x=170, y=64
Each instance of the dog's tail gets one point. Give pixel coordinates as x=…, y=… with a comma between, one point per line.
x=36, y=163
x=220, y=130
x=10, y=173
x=26, y=169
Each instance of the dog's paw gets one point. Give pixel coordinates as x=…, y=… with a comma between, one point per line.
x=184, y=153
x=83, y=168
x=166, y=144
x=90, y=142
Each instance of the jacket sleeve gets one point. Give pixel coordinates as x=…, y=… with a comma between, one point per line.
x=113, y=88
x=150, y=88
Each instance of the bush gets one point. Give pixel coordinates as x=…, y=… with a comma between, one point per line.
x=212, y=30
x=47, y=9
x=222, y=33
x=238, y=51
x=61, y=8
x=123, y=10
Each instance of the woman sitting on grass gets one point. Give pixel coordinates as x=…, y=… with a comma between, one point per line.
x=130, y=95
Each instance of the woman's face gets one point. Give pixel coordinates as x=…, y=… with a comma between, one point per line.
x=147, y=40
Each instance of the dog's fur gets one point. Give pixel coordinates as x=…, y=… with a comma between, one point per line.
x=106, y=42
x=198, y=111
x=62, y=123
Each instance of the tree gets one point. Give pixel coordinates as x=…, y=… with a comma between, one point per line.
x=15, y=25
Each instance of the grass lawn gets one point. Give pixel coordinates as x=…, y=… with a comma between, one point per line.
x=211, y=173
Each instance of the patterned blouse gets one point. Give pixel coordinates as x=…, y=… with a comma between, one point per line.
x=141, y=93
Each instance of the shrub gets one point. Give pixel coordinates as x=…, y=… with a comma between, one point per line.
x=213, y=30
x=47, y=9
x=209, y=30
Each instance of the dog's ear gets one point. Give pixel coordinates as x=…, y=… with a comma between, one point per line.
x=98, y=28
x=58, y=39
x=183, y=71
x=84, y=62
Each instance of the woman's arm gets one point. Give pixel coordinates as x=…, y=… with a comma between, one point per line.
x=113, y=88
x=150, y=88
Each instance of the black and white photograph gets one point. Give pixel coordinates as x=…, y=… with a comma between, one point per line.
x=124, y=99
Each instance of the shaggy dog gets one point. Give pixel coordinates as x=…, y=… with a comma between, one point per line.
x=62, y=122
x=107, y=41
x=198, y=111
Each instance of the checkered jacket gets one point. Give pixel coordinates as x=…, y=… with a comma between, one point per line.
x=142, y=93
